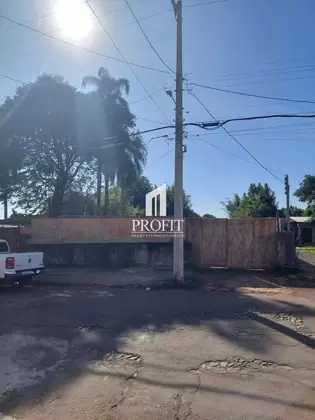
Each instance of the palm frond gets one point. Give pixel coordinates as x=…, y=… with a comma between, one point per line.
x=103, y=73
x=124, y=84
x=90, y=80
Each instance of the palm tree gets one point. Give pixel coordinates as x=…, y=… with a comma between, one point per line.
x=120, y=156
x=131, y=159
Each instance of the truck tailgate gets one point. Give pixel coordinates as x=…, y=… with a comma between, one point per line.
x=28, y=261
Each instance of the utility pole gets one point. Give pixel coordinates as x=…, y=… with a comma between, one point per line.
x=287, y=194
x=5, y=205
x=178, y=251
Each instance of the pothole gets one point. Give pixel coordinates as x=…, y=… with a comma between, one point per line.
x=116, y=357
x=285, y=317
x=236, y=365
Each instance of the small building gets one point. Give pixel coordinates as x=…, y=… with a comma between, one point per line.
x=305, y=229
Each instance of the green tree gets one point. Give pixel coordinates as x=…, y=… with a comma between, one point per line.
x=210, y=216
x=188, y=207
x=10, y=165
x=79, y=204
x=42, y=116
x=138, y=190
x=120, y=208
x=306, y=194
x=11, y=158
x=259, y=201
x=120, y=156
x=294, y=211
x=21, y=219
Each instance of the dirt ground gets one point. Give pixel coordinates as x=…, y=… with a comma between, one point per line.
x=82, y=352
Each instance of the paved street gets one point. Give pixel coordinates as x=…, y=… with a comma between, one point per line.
x=94, y=353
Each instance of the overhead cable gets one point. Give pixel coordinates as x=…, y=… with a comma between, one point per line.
x=147, y=38
x=205, y=3
x=126, y=62
x=274, y=98
x=130, y=63
x=235, y=139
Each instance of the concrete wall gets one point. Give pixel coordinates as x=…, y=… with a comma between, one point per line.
x=285, y=245
x=85, y=230
x=234, y=243
x=109, y=255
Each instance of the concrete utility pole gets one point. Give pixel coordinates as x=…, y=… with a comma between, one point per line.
x=287, y=194
x=178, y=255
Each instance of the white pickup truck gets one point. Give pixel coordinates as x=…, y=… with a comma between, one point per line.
x=19, y=268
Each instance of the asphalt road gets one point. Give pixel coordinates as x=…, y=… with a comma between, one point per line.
x=96, y=353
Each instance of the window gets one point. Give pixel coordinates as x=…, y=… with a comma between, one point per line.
x=4, y=247
x=306, y=235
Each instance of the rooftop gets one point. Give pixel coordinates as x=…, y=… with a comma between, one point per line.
x=301, y=219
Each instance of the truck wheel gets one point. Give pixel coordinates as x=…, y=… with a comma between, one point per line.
x=23, y=281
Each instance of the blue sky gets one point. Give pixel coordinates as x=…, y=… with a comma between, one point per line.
x=264, y=47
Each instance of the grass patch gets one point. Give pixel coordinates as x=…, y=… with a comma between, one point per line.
x=310, y=249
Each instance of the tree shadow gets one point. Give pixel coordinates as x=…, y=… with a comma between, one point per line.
x=94, y=322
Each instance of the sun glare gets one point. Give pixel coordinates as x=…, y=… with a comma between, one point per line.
x=74, y=18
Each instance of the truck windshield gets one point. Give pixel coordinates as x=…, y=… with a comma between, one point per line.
x=3, y=247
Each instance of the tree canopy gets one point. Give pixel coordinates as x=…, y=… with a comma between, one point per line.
x=259, y=201
x=43, y=123
x=71, y=152
x=119, y=150
x=58, y=144
x=306, y=194
x=294, y=211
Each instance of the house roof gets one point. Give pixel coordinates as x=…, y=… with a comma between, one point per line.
x=301, y=219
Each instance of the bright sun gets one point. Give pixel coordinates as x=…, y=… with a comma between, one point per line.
x=74, y=18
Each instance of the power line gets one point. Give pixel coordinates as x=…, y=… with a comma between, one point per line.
x=89, y=19
x=311, y=76
x=228, y=152
x=253, y=95
x=111, y=12
x=147, y=97
x=30, y=28
x=286, y=135
x=149, y=17
x=202, y=125
x=263, y=117
x=272, y=127
x=126, y=62
x=261, y=73
x=131, y=103
x=206, y=3
x=235, y=139
x=160, y=158
x=250, y=154
x=148, y=120
x=147, y=38
x=12, y=79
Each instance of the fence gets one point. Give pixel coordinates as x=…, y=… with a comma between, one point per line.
x=237, y=243
x=306, y=256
